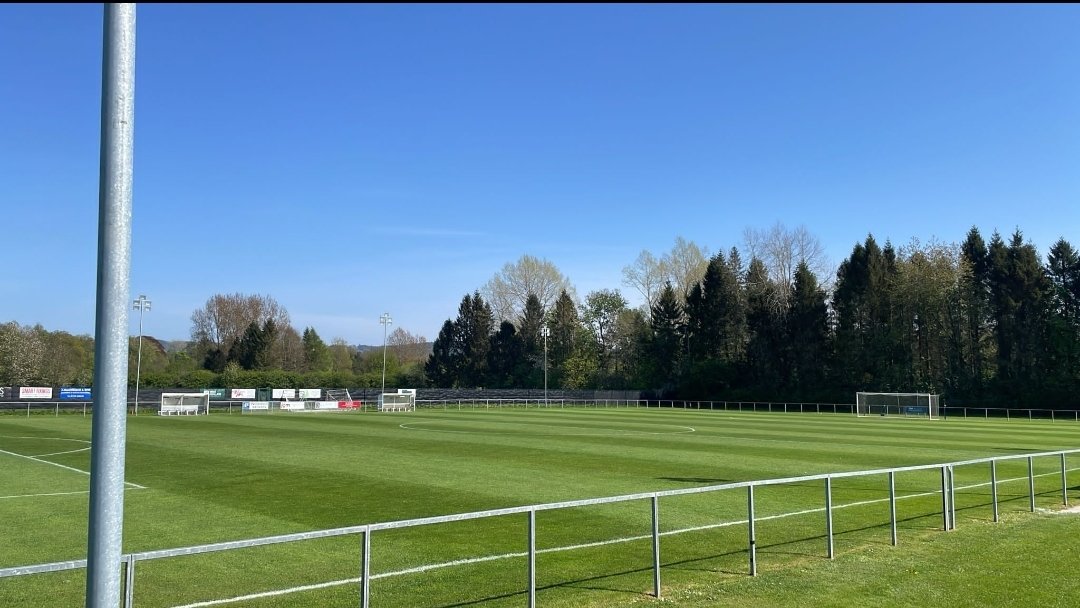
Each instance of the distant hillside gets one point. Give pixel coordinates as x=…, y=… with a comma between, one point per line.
x=174, y=346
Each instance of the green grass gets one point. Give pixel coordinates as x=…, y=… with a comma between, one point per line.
x=228, y=477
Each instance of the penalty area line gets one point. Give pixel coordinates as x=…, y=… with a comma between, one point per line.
x=55, y=494
x=63, y=466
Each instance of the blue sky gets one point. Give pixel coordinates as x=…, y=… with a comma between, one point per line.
x=350, y=160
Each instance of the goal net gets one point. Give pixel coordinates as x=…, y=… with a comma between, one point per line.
x=184, y=404
x=338, y=394
x=897, y=404
x=404, y=400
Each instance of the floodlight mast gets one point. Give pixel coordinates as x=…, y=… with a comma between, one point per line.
x=105, y=528
x=384, y=320
x=545, y=331
x=142, y=305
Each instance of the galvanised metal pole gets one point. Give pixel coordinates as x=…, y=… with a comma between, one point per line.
x=1064, y=482
x=545, y=331
x=993, y=488
x=656, y=544
x=944, y=499
x=1031, y=482
x=385, y=320
x=750, y=529
x=365, y=569
x=952, y=498
x=141, y=305
x=129, y=583
x=892, y=505
x=828, y=517
x=106, y=520
x=532, y=559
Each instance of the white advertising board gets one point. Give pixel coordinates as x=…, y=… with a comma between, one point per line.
x=35, y=392
x=310, y=393
x=284, y=393
x=242, y=393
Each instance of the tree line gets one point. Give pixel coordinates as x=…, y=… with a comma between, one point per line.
x=981, y=323
x=987, y=323
x=237, y=340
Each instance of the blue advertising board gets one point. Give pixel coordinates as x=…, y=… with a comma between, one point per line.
x=74, y=393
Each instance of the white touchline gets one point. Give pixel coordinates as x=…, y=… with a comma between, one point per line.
x=491, y=558
x=63, y=466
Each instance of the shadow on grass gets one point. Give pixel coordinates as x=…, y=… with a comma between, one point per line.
x=704, y=480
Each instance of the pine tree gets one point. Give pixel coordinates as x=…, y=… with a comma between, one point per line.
x=808, y=335
x=1063, y=323
x=503, y=357
x=316, y=355
x=475, y=324
x=716, y=317
x=441, y=368
x=664, y=349
x=866, y=345
x=977, y=343
x=765, y=356
x=1020, y=292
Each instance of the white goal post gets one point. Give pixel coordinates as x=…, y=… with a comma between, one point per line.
x=184, y=404
x=404, y=400
x=898, y=404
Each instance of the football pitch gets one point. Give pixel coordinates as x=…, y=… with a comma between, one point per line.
x=210, y=479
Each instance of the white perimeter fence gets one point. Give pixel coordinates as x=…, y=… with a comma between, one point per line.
x=948, y=515
x=85, y=408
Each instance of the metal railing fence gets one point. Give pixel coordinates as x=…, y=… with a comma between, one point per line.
x=948, y=514
x=85, y=408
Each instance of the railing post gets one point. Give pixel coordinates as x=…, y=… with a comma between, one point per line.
x=1031, y=482
x=892, y=505
x=129, y=582
x=532, y=558
x=656, y=545
x=750, y=530
x=365, y=568
x=993, y=488
x=952, y=498
x=944, y=498
x=828, y=517
x=1064, y=482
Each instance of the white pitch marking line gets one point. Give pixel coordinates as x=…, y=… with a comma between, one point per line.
x=63, y=466
x=491, y=558
x=59, y=453
x=53, y=494
x=49, y=494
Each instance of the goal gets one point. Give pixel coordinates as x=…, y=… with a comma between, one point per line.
x=404, y=400
x=338, y=394
x=184, y=404
x=898, y=404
